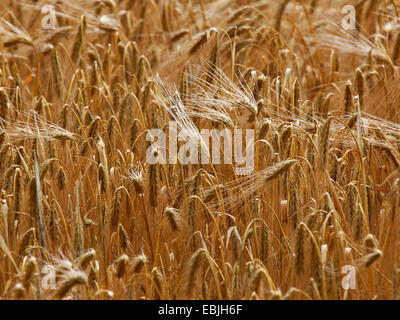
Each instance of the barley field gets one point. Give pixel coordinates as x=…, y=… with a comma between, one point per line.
x=85, y=215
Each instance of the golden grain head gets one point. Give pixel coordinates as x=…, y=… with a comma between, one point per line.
x=278, y=148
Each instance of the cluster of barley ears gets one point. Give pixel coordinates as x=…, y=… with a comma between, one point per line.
x=78, y=197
